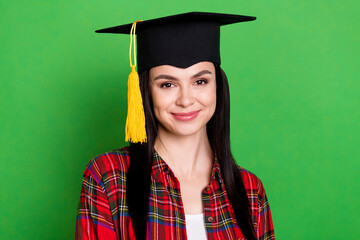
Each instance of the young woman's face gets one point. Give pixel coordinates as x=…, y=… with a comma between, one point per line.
x=184, y=100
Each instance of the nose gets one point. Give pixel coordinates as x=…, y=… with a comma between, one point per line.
x=185, y=97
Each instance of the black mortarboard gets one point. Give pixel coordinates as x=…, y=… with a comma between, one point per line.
x=179, y=40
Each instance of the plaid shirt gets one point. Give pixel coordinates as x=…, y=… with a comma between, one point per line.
x=103, y=212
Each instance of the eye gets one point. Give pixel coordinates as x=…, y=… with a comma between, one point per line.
x=166, y=85
x=201, y=82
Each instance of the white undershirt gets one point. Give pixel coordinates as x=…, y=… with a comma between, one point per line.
x=195, y=227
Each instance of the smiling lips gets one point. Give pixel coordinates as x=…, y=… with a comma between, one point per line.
x=186, y=116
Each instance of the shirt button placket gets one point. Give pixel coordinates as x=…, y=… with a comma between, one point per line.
x=209, y=220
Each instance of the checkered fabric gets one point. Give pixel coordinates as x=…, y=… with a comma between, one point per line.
x=103, y=211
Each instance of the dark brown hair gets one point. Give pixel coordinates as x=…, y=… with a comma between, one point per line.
x=218, y=130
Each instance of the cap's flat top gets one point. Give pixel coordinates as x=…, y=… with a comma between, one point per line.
x=221, y=18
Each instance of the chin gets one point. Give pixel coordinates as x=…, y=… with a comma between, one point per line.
x=186, y=130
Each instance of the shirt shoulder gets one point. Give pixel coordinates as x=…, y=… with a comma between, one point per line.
x=252, y=183
x=261, y=214
x=109, y=164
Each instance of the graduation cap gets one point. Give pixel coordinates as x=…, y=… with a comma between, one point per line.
x=178, y=40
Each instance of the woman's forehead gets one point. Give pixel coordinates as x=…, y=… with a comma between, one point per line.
x=192, y=70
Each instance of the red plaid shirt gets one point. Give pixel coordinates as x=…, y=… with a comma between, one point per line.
x=103, y=212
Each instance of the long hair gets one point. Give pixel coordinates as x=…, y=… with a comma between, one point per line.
x=218, y=131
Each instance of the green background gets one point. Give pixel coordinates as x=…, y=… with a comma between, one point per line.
x=295, y=94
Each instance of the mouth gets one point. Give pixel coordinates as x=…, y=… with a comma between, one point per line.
x=188, y=116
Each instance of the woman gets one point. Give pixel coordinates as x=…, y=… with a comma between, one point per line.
x=182, y=183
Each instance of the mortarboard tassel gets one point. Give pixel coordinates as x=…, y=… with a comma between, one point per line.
x=135, y=121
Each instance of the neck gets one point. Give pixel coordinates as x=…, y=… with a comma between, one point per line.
x=187, y=156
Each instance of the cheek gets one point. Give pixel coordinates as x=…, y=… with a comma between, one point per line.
x=156, y=105
x=208, y=98
x=212, y=104
x=156, y=100
x=161, y=103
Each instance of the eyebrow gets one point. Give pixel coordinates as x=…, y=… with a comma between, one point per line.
x=169, y=77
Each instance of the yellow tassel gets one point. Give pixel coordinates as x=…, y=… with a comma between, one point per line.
x=135, y=121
